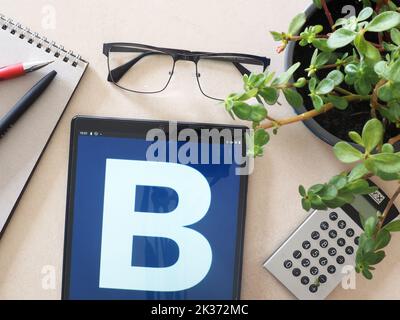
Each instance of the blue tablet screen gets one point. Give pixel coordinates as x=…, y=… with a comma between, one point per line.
x=145, y=229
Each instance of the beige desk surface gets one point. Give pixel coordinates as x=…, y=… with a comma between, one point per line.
x=34, y=238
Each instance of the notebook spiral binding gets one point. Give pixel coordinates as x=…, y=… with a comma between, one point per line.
x=24, y=33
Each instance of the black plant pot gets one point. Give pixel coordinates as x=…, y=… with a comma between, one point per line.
x=334, y=125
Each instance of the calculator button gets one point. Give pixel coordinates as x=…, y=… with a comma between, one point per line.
x=323, y=243
x=357, y=241
x=296, y=272
x=305, y=280
x=332, y=252
x=340, y=260
x=297, y=254
x=315, y=235
x=288, y=264
x=306, y=245
x=342, y=224
x=332, y=234
x=350, y=232
x=331, y=269
x=314, y=253
x=313, y=288
x=305, y=263
x=322, y=278
x=324, y=225
x=333, y=216
x=341, y=242
x=349, y=250
x=323, y=261
x=314, y=271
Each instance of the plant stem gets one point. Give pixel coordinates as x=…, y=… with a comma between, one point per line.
x=329, y=66
x=387, y=209
x=310, y=114
x=271, y=119
x=375, y=99
x=394, y=140
x=327, y=13
x=301, y=117
x=380, y=4
x=298, y=38
x=343, y=91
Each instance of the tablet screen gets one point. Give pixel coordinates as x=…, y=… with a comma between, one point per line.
x=145, y=222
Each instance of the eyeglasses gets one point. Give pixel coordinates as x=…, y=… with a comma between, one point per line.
x=146, y=69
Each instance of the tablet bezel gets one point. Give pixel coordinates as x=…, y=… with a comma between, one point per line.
x=132, y=128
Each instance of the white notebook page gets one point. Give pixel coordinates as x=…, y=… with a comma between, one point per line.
x=23, y=144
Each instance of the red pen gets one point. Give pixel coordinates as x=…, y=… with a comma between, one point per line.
x=21, y=69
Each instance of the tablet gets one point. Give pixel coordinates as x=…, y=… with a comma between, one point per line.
x=155, y=210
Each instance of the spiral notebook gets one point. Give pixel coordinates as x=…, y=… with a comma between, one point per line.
x=24, y=143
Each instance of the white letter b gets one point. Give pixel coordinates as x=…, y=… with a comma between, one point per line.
x=121, y=222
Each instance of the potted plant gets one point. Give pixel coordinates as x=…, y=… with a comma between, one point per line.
x=349, y=63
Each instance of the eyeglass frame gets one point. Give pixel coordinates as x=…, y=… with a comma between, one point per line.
x=181, y=55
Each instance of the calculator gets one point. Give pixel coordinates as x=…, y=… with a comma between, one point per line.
x=310, y=262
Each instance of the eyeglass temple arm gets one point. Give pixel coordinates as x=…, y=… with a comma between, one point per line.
x=116, y=74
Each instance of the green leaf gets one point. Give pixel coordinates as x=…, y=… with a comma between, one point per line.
x=316, y=188
x=241, y=110
x=322, y=45
x=300, y=83
x=286, y=76
x=367, y=274
x=314, y=57
x=306, y=204
x=395, y=35
x=373, y=258
x=261, y=137
x=372, y=134
x=370, y=226
x=312, y=84
x=322, y=59
x=358, y=172
x=362, y=86
x=347, y=153
x=336, y=76
x=338, y=102
x=387, y=148
x=358, y=187
x=293, y=98
x=270, y=95
x=257, y=113
x=384, y=21
x=317, y=203
x=329, y=192
x=302, y=191
x=341, y=38
x=385, y=93
x=386, y=162
x=394, y=72
x=325, y=86
x=365, y=14
x=248, y=95
x=381, y=69
x=317, y=101
x=277, y=36
x=366, y=49
x=338, y=181
x=355, y=136
x=318, y=4
x=393, y=226
x=297, y=23
x=382, y=239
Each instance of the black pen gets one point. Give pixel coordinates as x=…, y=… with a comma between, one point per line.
x=25, y=102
